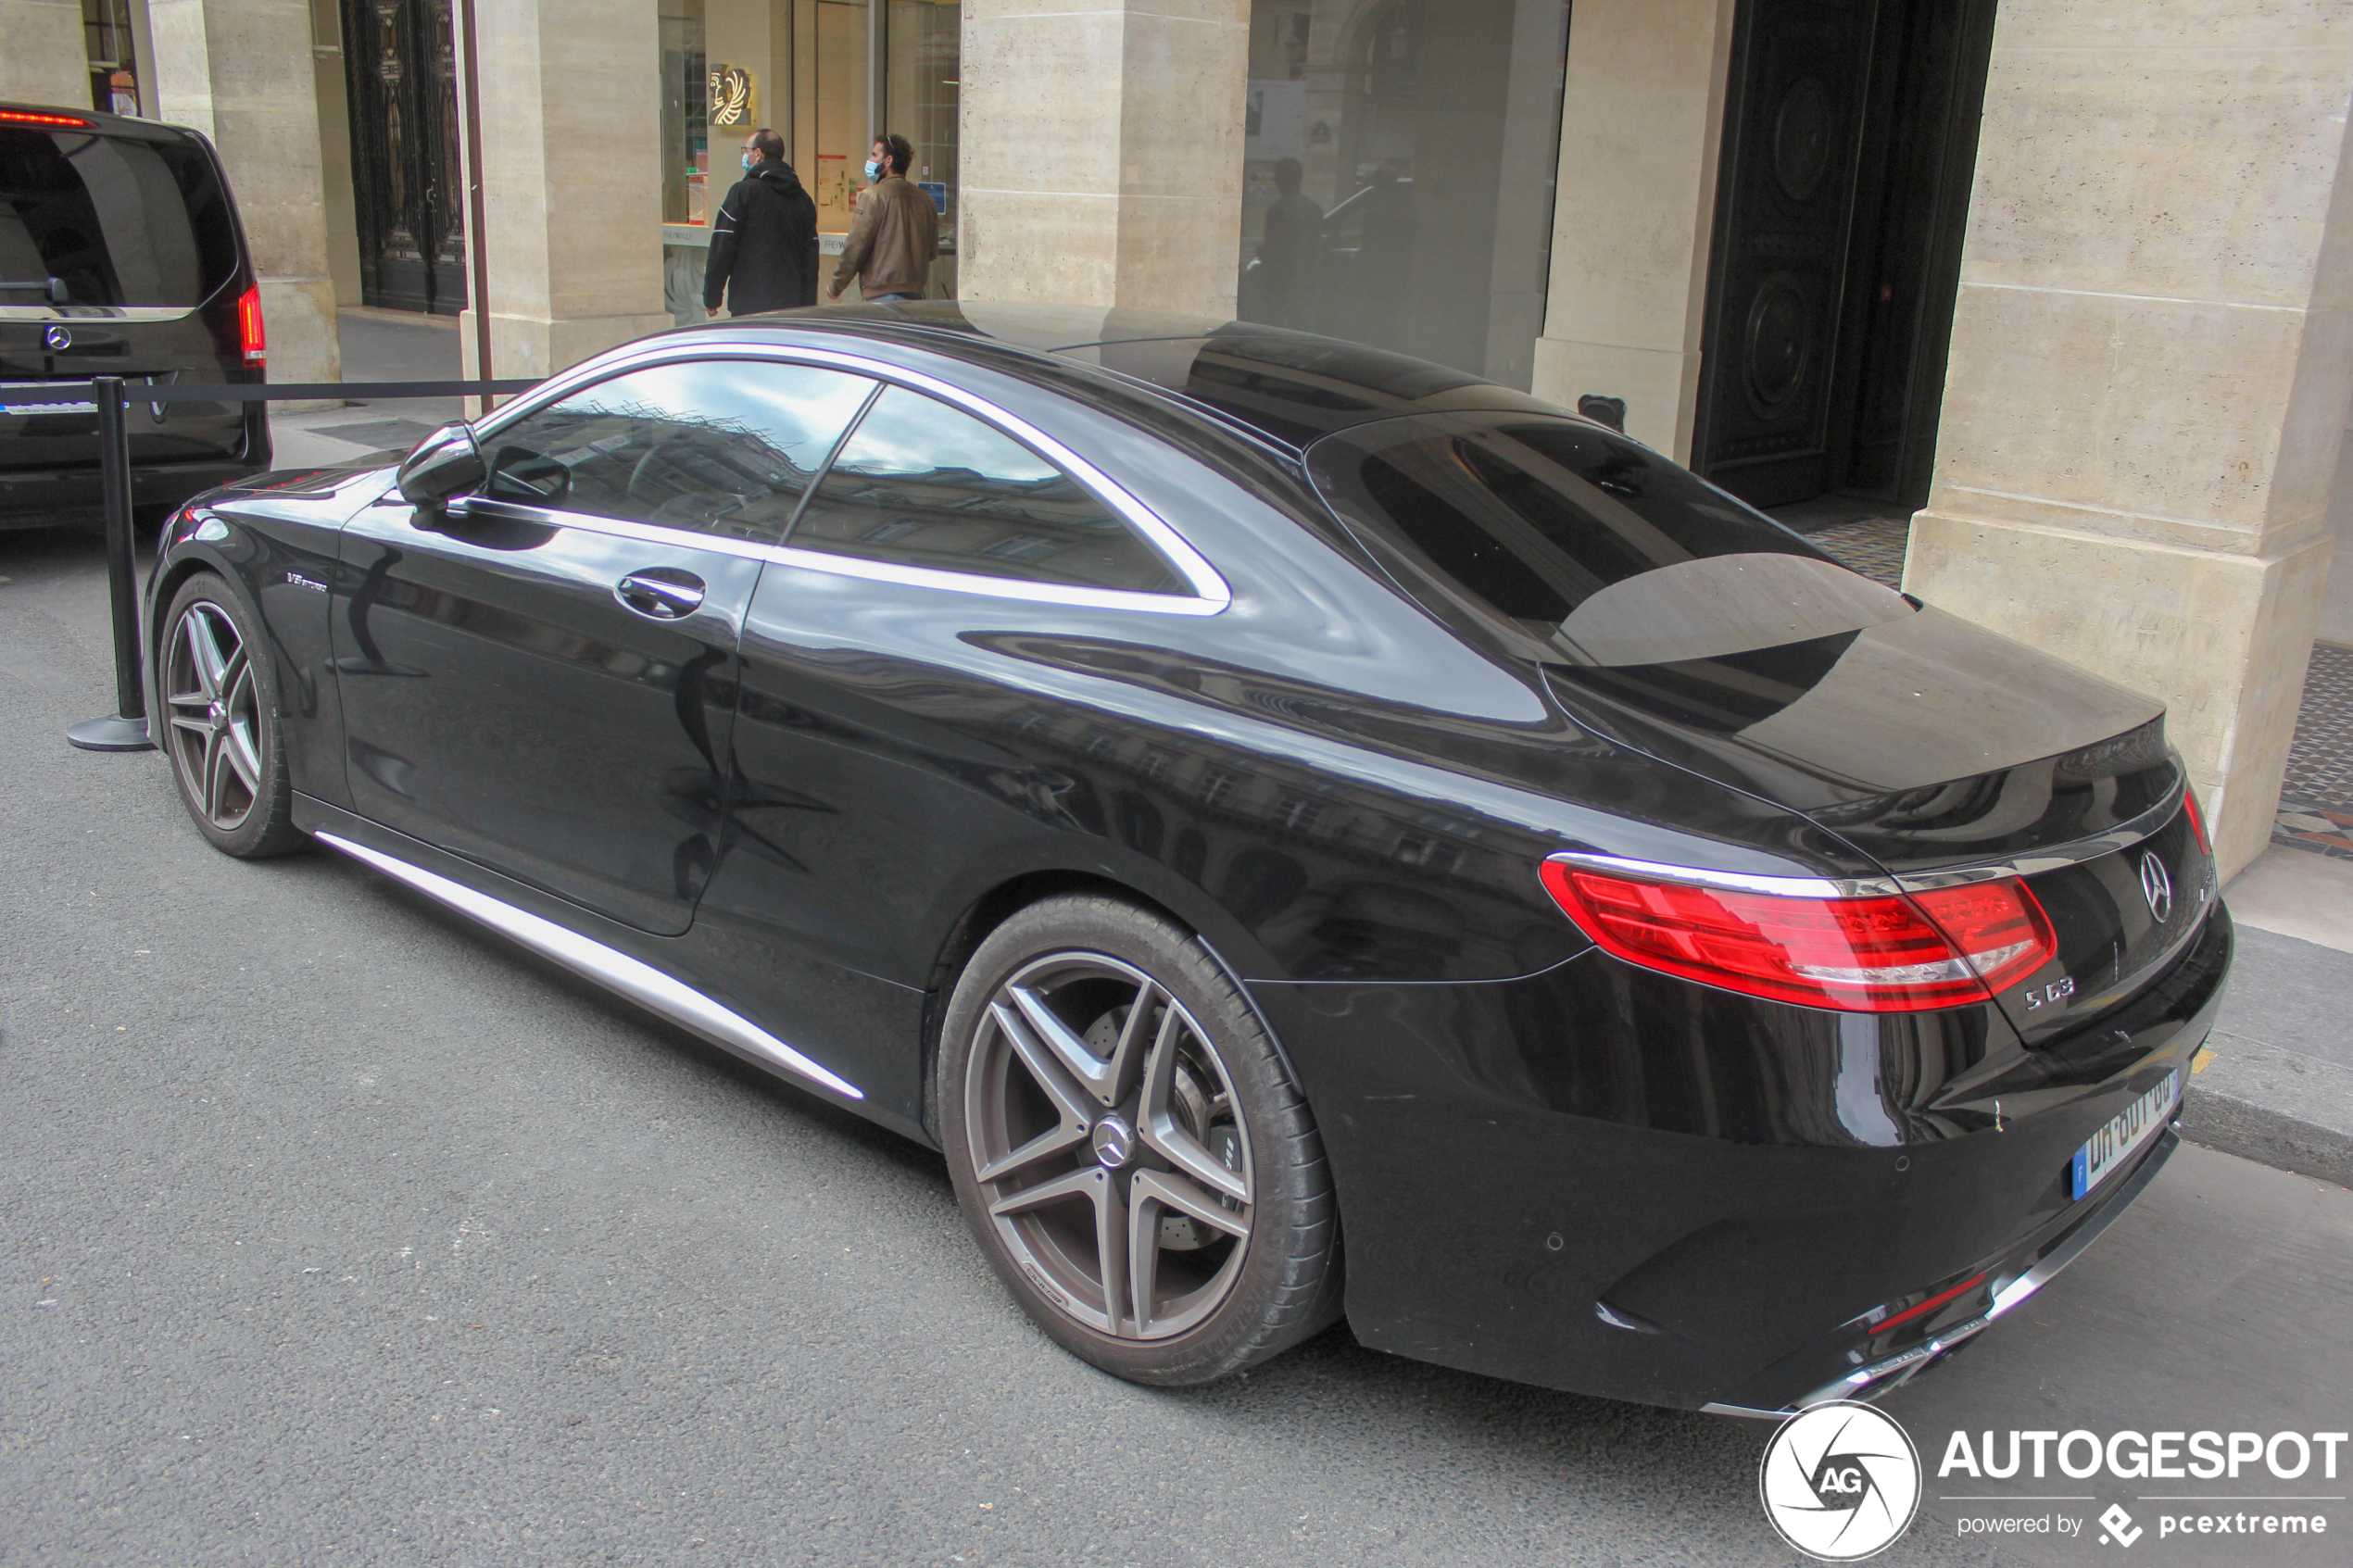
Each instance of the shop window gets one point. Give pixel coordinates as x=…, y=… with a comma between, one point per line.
x=921, y=84
x=113, y=72
x=1398, y=169
x=804, y=68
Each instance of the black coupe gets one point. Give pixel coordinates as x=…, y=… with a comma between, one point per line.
x=1254, y=802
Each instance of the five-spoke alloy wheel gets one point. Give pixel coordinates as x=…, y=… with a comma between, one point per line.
x=1128, y=1147
x=220, y=723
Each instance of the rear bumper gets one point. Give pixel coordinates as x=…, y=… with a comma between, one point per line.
x=1602, y=1180
x=2010, y=1284
x=49, y=497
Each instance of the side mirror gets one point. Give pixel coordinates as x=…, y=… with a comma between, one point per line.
x=446, y=463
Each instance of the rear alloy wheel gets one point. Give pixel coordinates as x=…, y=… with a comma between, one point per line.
x=1129, y=1149
x=220, y=724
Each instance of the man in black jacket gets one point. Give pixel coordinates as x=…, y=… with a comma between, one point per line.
x=763, y=246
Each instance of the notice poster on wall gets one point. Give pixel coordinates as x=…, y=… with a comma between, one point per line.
x=1277, y=121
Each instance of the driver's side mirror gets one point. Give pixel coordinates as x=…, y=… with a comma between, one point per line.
x=446, y=463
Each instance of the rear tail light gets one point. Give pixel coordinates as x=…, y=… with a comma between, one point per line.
x=63, y=121
x=251, y=335
x=1891, y=953
x=2198, y=821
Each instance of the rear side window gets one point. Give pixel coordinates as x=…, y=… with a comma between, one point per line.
x=920, y=483
x=722, y=447
x=115, y=220
x=1595, y=548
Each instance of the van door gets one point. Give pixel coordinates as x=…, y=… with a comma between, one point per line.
x=119, y=255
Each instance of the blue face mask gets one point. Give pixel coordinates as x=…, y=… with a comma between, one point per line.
x=747, y=163
x=874, y=172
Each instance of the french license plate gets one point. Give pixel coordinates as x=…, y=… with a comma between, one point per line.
x=9, y=407
x=2106, y=1148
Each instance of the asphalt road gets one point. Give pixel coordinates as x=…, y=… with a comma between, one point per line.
x=336, y=1230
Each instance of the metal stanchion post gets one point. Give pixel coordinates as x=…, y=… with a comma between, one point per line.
x=126, y=729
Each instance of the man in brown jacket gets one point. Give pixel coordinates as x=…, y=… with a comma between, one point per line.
x=895, y=233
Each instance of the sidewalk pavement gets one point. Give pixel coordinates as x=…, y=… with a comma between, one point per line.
x=2276, y=1082
x=378, y=345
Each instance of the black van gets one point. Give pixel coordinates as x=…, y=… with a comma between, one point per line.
x=120, y=255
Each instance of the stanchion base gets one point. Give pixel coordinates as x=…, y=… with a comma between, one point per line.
x=110, y=733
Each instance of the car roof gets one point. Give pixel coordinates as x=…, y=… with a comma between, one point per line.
x=1288, y=387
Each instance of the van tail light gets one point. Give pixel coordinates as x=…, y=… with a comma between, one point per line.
x=2198, y=821
x=62, y=121
x=1884, y=953
x=251, y=335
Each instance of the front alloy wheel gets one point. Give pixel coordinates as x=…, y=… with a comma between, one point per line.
x=221, y=722
x=215, y=722
x=1129, y=1149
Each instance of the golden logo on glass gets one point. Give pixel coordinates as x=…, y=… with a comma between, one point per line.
x=730, y=89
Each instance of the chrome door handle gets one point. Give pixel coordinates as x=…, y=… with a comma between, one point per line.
x=663, y=594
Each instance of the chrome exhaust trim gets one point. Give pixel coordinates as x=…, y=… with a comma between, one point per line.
x=610, y=967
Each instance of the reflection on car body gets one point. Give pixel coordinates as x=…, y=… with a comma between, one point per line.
x=1236, y=791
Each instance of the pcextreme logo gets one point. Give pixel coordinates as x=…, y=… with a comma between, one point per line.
x=1839, y=1481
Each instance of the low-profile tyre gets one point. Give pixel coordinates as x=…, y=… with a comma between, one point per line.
x=220, y=723
x=1129, y=1149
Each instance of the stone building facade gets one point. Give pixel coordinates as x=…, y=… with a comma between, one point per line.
x=2070, y=279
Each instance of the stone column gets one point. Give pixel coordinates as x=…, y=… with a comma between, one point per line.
x=45, y=60
x=1102, y=149
x=1641, y=122
x=2151, y=365
x=241, y=72
x=571, y=175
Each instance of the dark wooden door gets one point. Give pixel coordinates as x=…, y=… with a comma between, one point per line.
x=400, y=67
x=1785, y=206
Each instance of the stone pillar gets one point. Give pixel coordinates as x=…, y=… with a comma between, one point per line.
x=2151, y=365
x=44, y=59
x=1101, y=152
x=1641, y=121
x=241, y=72
x=572, y=177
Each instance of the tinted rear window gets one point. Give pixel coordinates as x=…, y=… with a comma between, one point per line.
x=120, y=221
x=1593, y=547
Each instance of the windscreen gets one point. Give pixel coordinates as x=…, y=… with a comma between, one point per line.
x=94, y=219
x=1594, y=548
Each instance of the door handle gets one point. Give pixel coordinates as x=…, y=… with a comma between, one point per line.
x=661, y=594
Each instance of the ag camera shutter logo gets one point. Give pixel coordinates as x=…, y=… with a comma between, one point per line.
x=1839, y=1481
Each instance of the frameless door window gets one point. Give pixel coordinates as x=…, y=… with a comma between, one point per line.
x=1397, y=165
x=722, y=447
x=113, y=219
x=922, y=484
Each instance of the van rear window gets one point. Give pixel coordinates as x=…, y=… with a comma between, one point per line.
x=112, y=219
x=1591, y=547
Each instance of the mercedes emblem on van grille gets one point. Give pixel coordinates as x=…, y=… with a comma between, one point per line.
x=58, y=339
x=2155, y=887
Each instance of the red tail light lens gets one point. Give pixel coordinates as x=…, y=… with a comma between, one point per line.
x=1884, y=954
x=2198, y=821
x=65, y=121
x=251, y=335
